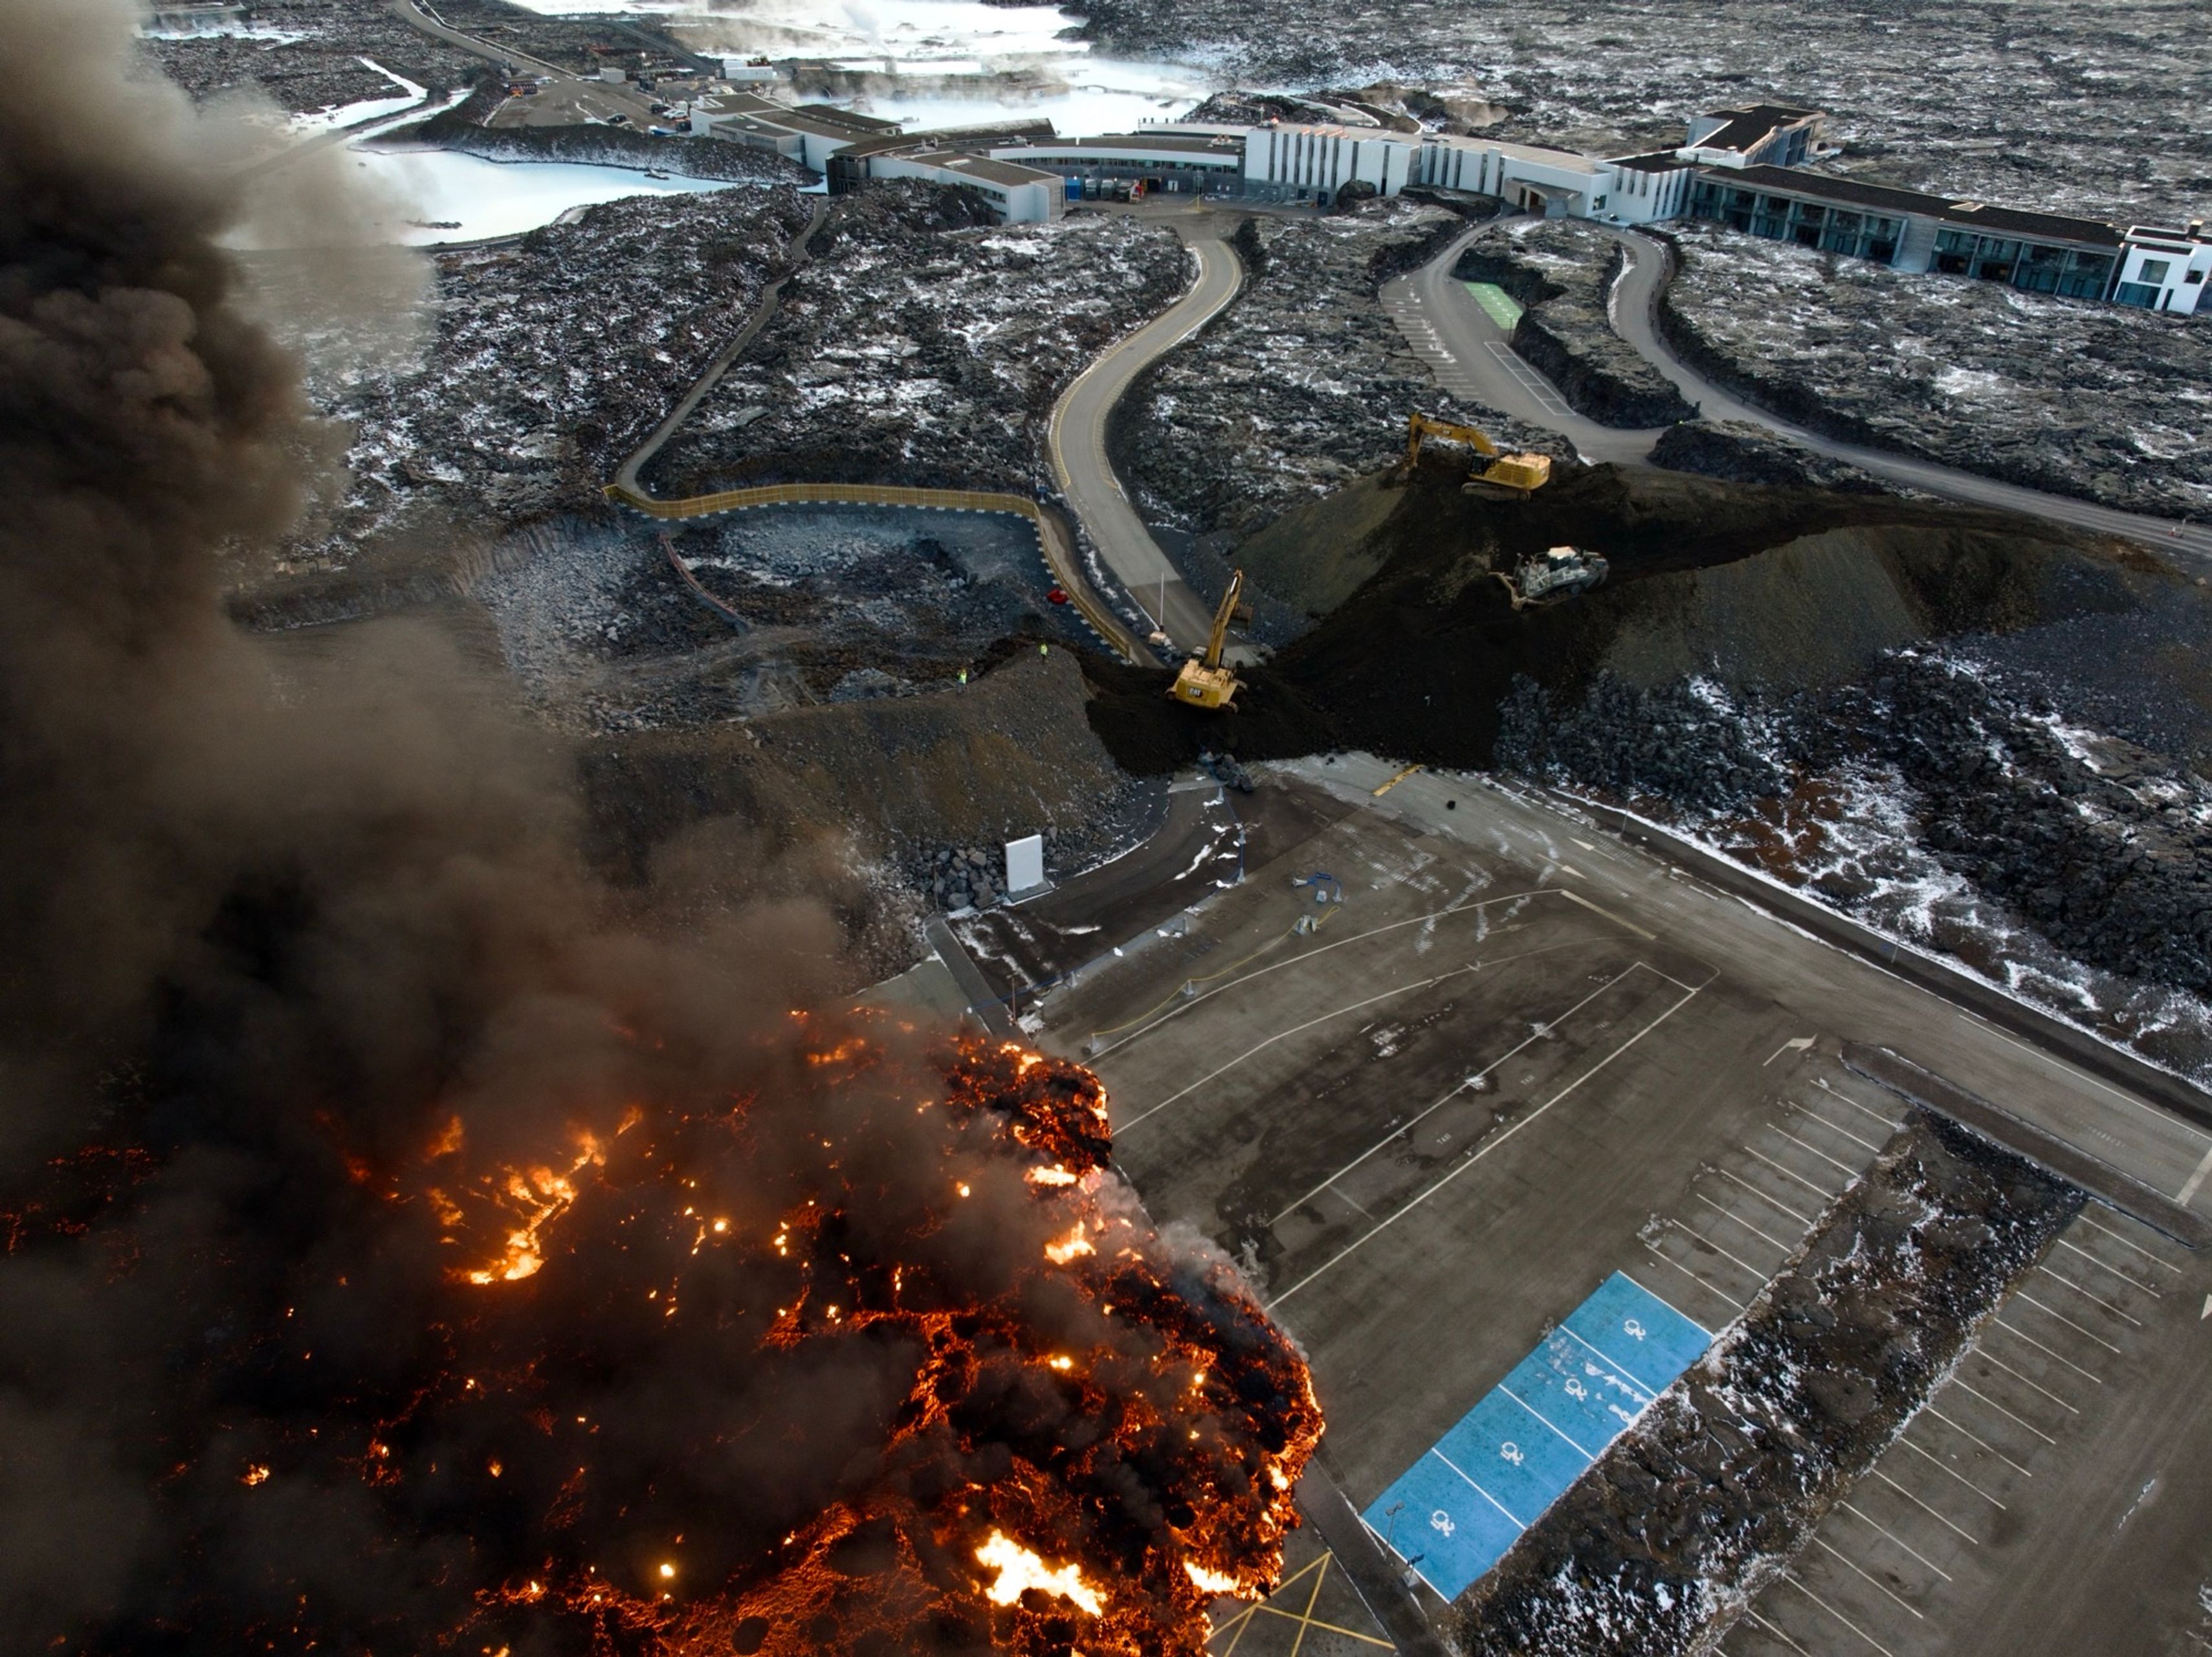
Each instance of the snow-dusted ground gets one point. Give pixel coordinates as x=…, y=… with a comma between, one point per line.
x=1303, y=385
x=2091, y=400
x=549, y=358
x=367, y=109
x=914, y=350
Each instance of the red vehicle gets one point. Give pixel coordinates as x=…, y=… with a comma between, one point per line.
x=1057, y=596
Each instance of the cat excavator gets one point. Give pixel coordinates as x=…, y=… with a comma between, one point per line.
x=1508, y=477
x=1203, y=682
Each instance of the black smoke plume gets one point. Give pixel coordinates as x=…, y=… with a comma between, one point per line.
x=403, y=1248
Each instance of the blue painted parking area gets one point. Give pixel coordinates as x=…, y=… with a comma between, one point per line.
x=1454, y=1513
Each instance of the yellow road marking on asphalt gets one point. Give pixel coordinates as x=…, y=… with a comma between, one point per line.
x=1395, y=780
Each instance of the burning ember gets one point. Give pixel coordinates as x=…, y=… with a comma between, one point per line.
x=681, y=1390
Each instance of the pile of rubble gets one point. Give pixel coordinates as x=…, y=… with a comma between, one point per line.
x=2068, y=395
x=1303, y=385
x=923, y=345
x=1562, y=272
x=305, y=55
x=552, y=356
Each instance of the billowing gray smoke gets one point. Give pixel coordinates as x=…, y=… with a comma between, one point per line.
x=403, y=1245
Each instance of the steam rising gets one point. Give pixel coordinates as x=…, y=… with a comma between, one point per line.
x=400, y=1247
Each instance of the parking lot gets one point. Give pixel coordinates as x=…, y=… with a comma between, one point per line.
x=1432, y=1119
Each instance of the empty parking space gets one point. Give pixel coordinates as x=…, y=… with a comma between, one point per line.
x=2003, y=1446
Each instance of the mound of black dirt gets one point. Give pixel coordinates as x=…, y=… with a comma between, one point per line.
x=1149, y=734
x=1748, y=454
x=1788, y=587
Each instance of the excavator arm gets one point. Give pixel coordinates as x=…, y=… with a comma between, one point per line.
x=1215, y=639
x=1420, y=426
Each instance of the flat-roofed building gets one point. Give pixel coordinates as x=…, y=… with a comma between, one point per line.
x=1912, y=230
x=808, y=134
x=1018, y=194
x=2165, y=269
x=1189, y=160
x=1758, y=135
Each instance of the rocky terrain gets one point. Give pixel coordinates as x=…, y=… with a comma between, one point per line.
x=1303, y=385
x=1561, y=271
x=1752, y=454
x=2099, y=401
x=1726, y=1474
x=2079, y=108
x=784, y=607
x=305, y=55
x=465, y=128
x=550, y=356
x=923, y=345
x=1946, y=799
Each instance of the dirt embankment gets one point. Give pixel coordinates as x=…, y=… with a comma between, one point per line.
x=1791, y=587
x=1680, y=1522
x=1562, y=273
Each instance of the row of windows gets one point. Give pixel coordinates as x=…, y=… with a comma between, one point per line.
x=1808, y=224
x=2032, y=266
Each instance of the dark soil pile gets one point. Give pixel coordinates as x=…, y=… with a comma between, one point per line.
x=1734, y=1465
x=1562, y=272
x=1791, y=587
x=1745, y=453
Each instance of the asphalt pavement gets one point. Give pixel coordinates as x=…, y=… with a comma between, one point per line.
x=1078, y=437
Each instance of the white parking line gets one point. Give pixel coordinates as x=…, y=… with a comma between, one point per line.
x=1888, y=1122
x=2075, y=1248
x=1756, y=1273
x=1728, y=1214
x=2051, y=1310
x=1801, y=1218
x=1937, y=1462
x=2196, y=1179
x=1968, y=1433
x=1793, y=1577
x=1812, y=1115
x=1826, y=1197
x=1540, y=1033
x=1696, y=1279
x=2018, y=1333
x=1541, y=1416
x=1487, y=1147
x=1849, y=1172
x=1775, y=1632
x=1896, y=1539
x=1872, y=1579
x=1969, y=1387
x=2155, y=1260
x=1923, y=1506
x=1987, y=1356
x=1478, y=1490
x=2094, y=1300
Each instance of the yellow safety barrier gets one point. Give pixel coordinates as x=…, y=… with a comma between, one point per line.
x=1058, y=557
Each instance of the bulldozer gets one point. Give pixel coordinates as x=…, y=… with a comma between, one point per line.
x=1508, y=477
x=1203, y=682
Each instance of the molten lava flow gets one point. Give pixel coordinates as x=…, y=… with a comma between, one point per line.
x=1022, y=1572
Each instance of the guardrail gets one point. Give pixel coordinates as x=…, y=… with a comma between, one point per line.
x=1051, y=539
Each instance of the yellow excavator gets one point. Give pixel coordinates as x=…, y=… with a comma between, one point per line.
x=1203, y=682
x=1509, y=477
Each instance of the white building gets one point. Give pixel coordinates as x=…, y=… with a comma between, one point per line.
x=1019, y=195
x=809, y=134
x=2165, y=269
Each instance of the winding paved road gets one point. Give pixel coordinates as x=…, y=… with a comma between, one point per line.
x=1472, y=356
x=1078, y=443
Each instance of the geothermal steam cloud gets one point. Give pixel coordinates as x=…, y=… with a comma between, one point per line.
x=402, y=1251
